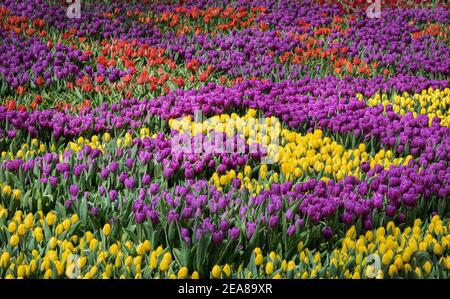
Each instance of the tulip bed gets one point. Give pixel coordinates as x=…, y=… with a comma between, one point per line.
x=338, y=126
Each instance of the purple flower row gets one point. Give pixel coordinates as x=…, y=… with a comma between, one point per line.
x=25, y=59
x=327, y=103
x=389, y=41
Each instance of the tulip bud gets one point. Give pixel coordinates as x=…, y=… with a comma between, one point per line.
x=216, y=271
x=14, y=240
x=269, y=268
x=107, y=229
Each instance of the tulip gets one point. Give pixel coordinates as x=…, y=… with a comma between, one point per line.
x=183, y=273
x=16, y=194
x=140, y=217
x=146, y=179
x=107, y=229
x=291, y=230
x=269, y=268
x=216, y=271
x=273, y=222
x=130, y=183
x=73, y=189
x=14, y=240
x=327, y=232
x=218, y=237
x=234, y=233
x=154, y=188
x=94, y=211
x=251, y=227
x=53, y=181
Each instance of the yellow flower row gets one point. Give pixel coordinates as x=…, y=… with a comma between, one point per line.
x=49, y=246
x=70, y=255
x=430, y=102
x=35, y=148
x=8, y=192
x=26, y=151
x=296, y=154
x=258, y=129
x=312, y=154
x=395, y=249
x=389, y=251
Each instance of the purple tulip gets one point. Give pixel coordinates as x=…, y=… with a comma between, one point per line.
x=77, y=170
x=104, y=173
x=112, y=195
x=53, y=181
x=289, y=215
x=218, y=237
x=291, y=230
x=390, y=210
x=224, y=225
x=63, y=167
x=409, y=199
x=168, y=172
x=172, y=217
x=327, y=232
x=251, y=227
x=347, y=218
x=130, y=183
x=113, y=167
x=140, y=217
x=154, y=188
x=401, y=218
x=236, y=183
x=273, y=221
x=154, y=216
x=367, y=224
x=300, y=223
x=94, y=211
x=129, y=163
x=145, y=179
x=11, y=134
x=187, y=213
x=365, y=166
x=184, y=233
x=67, y=203
x=73, y=189
x=234, y=233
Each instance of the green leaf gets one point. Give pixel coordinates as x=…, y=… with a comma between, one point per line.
x=179, y=257
x=201, y=254
x=130, y=232
x=24, y=201
x=83, y=210
x=47, y=231
x=60, y=210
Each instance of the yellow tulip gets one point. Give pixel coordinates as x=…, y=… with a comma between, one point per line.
x=427, y=267
x=48, y=274
x=66, y=224
x=50, y=219
x=259, y=259
x=52, y=242
x=107, y=229
x=269, y=268
x=183, y=273
x=164, y=265
x=7, y=190
x=216, y=271
x=12, y=226
x=4, y=259
x=14, y=240
x=16, y=194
